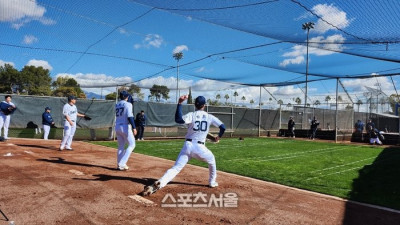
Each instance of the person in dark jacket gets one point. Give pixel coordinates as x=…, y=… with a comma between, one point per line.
x=291, y=124
x=47, y=122
x=369, y=125
x=374, y=135
x=140, y=124
x=314, y=126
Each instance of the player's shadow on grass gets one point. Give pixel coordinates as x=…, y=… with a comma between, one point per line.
x=60, y=160
x=377, y=184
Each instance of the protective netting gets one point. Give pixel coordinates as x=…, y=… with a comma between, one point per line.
x=347, y=36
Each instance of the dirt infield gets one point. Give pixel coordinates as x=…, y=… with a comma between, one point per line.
x=40, y=185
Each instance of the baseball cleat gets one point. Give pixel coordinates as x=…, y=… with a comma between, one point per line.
x=213, y=185
x=60, y=149
x=151, y=189
x=69, y=149
x=122, y=168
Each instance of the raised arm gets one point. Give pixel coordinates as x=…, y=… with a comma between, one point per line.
x=178, y=113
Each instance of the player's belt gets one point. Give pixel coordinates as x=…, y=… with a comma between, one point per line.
x=197, y=142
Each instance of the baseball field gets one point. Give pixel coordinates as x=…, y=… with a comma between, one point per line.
x=269, y=181
x=357, y=172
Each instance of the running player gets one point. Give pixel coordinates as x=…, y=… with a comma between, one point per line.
x=124, y=125
x=70, y=113
x=199, y=124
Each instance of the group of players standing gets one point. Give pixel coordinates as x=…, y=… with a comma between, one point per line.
x=70, y=113
x=198, y=123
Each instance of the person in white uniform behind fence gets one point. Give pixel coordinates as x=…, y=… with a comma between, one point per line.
x=7, y=108
x=198, y=127
x=70, y=113
x=125, y=130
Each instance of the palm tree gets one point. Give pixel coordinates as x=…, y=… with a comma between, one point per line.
x=359, y=102
x=217, y=97
x=280, y=102
x=243, y=98
x=226, y=98
x=307, y=26
x=177, y=56
x=235, y=94
x=317, y=102
x=251, y=103
x=298, y=101
x=327, y=99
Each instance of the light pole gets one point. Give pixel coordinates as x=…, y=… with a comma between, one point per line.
x=307, y=26
x=177, y=56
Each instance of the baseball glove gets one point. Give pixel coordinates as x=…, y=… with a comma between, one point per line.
x=7, y=109
x=212, y=138
x=87, y=117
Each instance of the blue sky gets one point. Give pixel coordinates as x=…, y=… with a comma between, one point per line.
x=117, y=42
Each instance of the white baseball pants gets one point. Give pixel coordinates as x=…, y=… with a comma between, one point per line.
x=191, y=149
x=124, y=135
x=4, y=121
x=69, y=132
x=46, y=131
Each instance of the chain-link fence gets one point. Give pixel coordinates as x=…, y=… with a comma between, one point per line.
x=239, y=121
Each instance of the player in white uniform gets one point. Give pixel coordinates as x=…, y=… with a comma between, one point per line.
x=199, y=124
x=70, y=113
x=7, y=108
x=124, y=124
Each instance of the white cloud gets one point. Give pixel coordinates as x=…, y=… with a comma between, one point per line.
x=20, y=12
x=151, y=40
x=201, y=69
x=96, y=81
x=331, y=14
x=180, y=48
x=298, y=53
x=170, y=82
x=359, y=85
x=42, y=63
x=297, y=60
x=288, y=90
x=122, y=31
x=30, y=39
x=2, y=63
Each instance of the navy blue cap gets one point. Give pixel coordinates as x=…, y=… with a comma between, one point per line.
x=47, y=108
x=71, y=97
x=123, y=95
x=199, y=101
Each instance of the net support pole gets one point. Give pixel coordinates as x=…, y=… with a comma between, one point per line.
x=115, y=116
x=336, y=112
x=259, y=116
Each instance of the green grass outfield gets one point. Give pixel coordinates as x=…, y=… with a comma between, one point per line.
x=369, y=174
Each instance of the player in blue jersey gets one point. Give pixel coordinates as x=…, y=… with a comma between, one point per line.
x=7, y=108
x=47, y=122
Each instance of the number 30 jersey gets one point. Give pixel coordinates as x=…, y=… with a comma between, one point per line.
x=199, y=124
x=123, y=110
